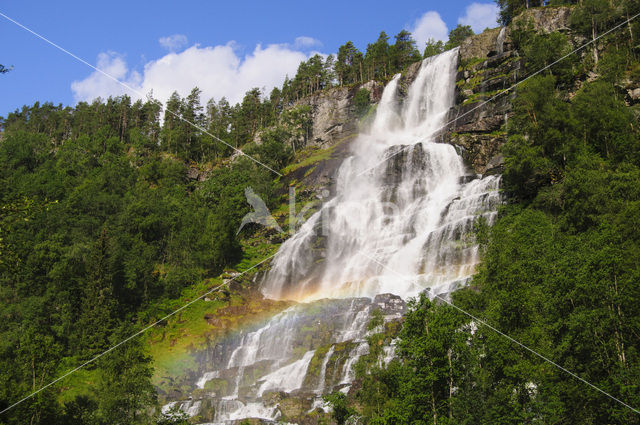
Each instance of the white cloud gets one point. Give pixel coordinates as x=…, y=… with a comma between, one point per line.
x=480, y=16
x=306, y=42
x=429, y=25
x=173, y=42
x=100, y=85
x=218, y=71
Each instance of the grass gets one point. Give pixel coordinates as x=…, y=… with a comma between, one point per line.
x=308, y=156
x=477, y=97
x=81, y=382
x=171, y=346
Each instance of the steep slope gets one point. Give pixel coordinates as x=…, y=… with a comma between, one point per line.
x=402, y=204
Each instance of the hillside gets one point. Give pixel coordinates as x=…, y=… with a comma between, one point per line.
x=112, y=219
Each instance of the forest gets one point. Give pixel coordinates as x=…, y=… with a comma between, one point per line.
x=561, y=266
x=101, y=230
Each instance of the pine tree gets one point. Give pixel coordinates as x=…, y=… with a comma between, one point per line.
x=457, y=36
x=97, y=313
x=349, y=64
x=404, y=51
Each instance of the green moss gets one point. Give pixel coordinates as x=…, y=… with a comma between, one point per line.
x=217, y=385
x=468, y=64
x=80, y=383
x=478, y=97
x=308, y=156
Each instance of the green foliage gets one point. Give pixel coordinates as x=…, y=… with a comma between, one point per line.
x=433, y=48
x=404, y=51
x=340, y=406
x=273, y=150
x=418, y=385
x=361, y=101
x=559, y=270
x=125, y=391
x=457, y=36
x=548, y=134
x=542, y=50
x=349, y=64
x=377, y=58
x=100, y=228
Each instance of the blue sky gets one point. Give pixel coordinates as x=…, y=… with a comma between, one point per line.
x=223, y=47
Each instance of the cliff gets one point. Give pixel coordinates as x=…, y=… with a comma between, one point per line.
x=490, y=64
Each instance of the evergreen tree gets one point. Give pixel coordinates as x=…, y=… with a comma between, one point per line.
x=192, y=120
x=125, y=394
x=433, y=48
x=404, y=51
x=349, y=64
x=97, y=313
x=377, y=58
x=171, y=128
x=457, y=36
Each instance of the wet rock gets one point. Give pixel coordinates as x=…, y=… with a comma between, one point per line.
x=476, y=122
x=391, y=305
x=408, y=76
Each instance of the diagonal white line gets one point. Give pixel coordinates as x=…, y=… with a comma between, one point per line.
x=494, y=97
x=482, y=322
x=199, y=297
x=128, y=87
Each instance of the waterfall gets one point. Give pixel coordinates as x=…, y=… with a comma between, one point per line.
x=411, y=214
x=401, y=222
x=500, y=40
x=323, y=370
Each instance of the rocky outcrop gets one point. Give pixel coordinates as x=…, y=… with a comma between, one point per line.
x=480, y=45
x=489, y=65
x=407, y=77
x=634, y=95
x=332, y=114
x=476, y=123
x=375, y=89
x=544, y=20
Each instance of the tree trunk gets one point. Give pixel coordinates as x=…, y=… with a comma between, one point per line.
x=630, y=28
x=433, y=407
x=449, y=355
x=593, y=37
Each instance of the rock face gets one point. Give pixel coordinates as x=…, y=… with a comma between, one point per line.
x=489, y=64
x=476, y=123
x=332, y=114
x=480, y=45
x=545, y=20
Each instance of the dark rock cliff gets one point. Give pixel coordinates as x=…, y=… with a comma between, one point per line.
x=489, y=65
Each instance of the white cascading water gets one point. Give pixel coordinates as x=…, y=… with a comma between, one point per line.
x=401, y=222
x=395, y=223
